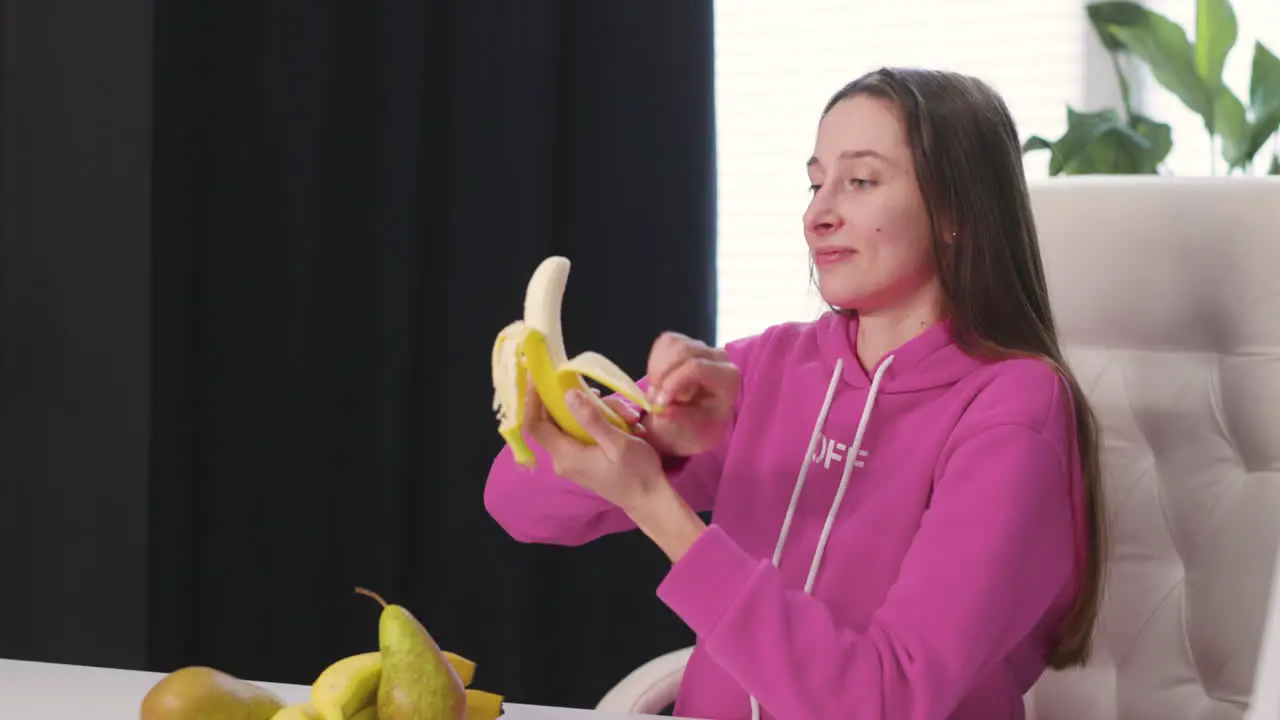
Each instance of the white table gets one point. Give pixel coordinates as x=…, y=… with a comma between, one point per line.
x=75, y=692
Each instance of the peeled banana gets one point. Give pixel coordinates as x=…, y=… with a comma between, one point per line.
x=534, y=348
x=347, y=686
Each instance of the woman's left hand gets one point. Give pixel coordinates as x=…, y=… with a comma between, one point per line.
x=621, y=467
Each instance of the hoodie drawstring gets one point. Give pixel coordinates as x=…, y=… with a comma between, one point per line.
x=850, y=462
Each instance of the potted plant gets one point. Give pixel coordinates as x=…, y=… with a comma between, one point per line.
x=1124, y=141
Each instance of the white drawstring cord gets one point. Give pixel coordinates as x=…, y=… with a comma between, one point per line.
x=850, y=461
x=804, y=466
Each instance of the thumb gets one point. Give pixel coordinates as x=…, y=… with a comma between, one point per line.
x=593, y=421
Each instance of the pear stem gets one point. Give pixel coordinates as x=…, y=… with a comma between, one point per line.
x=373, y=595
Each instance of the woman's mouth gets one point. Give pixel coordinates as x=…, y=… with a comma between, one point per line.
x=824, y=257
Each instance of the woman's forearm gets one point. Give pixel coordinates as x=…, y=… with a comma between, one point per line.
x=669, y=521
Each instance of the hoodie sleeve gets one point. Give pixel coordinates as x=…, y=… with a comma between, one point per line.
x=992, y=555
x=538, y=506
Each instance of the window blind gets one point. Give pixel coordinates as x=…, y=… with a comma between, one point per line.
x=777, y=63
x=1193, y=152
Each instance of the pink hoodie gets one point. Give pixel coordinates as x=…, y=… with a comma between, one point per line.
x=899, y=544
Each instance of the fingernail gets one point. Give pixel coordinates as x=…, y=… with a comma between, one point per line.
x=662, y=398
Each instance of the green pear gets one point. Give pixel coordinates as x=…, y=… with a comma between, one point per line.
x=209, y=694
x=418, y=682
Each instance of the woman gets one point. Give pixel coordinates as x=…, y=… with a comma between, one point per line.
x=907, y=519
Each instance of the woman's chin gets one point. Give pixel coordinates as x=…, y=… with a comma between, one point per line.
x=841, y=300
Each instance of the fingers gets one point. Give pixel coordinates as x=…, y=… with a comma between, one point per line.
x=678, y=360
x=698, y=377
x=539, y=425
x=624, y=410
x=543, y=429
x=671, y=349
x=610, y=439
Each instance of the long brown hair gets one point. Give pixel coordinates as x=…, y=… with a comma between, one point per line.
x=968, y=164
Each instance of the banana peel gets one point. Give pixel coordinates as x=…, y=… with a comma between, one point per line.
x=348, y=690
x=298, y=711
x=464, y=668
x=483, y=705
x=307, y=711
x=347, y=686
x=533, y=350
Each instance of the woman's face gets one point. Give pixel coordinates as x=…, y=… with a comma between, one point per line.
x=866, y=226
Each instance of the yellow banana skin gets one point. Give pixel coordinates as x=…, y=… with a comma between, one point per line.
x=347, y=686
x=464, y=668
x=553, y=382
x=348, y=689
x=483, y=705
x=299, y=711
x=532, y=350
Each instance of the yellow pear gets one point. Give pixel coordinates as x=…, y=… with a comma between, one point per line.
x=209, y=694
x=417, y=683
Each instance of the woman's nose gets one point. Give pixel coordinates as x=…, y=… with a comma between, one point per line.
x=821, y=218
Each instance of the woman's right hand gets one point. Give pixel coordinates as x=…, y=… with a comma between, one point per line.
x=693, y=389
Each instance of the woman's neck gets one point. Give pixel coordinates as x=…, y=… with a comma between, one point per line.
x=880, y=332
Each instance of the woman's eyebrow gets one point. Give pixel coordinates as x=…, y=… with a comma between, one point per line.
x=850, y=155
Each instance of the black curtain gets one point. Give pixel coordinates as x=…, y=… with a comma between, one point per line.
x=349, y=199
x=75, y=123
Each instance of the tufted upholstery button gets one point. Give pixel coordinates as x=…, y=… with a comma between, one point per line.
x=1168, y=303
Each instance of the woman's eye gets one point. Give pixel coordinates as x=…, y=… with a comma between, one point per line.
x=814, y=187
x=860, y=183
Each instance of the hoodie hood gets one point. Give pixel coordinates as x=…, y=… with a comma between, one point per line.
x=929, y=360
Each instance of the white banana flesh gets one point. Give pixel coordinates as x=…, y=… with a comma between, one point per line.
x=533, y=350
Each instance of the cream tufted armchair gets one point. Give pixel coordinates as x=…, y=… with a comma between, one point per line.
x=1167, y=295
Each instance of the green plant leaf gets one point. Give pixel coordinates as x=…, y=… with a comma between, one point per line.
x=1105, y=15
x=1168, y=54
x=1233, y=127
x=1083, y=128
x=1101, y=143
x=1036, y=142
x=1162, y=44
x=1260, y=133
x=1160, y=138
x=1117, y=151
x=1216, y=34
x=1264, y=99
x=1264, y=85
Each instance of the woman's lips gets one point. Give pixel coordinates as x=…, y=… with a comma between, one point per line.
x=831, y=256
